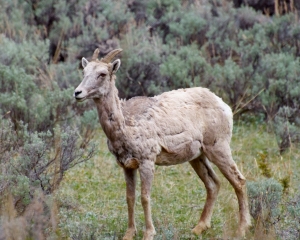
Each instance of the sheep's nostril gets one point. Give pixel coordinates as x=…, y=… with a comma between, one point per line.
x=77, y=93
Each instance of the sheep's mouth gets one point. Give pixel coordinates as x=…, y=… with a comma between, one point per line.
x=79, y=99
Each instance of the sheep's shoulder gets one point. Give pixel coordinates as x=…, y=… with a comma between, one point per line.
x=137, y=107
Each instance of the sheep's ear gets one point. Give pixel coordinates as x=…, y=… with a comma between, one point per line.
x=115, y=65
x=84, y=62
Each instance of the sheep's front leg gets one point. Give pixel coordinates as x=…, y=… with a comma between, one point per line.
x=146, y=170
x=130, y=178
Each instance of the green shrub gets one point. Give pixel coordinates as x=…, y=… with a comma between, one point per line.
x=139, y=72
x=286, y=126
x=38, y=159
x=289, y=226
x=187, y=68
x=264, y=199
x=40, y=139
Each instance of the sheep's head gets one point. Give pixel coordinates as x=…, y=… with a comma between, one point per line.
x=97, y=76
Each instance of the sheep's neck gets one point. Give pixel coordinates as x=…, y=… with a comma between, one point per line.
x=110, y=114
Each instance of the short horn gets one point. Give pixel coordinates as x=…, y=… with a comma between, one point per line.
x=95, y=54
x=109, y=57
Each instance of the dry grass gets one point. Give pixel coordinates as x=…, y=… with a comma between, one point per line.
x=37, y=221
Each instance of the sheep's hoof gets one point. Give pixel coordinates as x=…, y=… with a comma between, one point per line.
x=130, y=233
x=201, y=227
x=241, y=232
x=149, y=234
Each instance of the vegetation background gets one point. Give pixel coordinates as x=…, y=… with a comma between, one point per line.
x=57, y=178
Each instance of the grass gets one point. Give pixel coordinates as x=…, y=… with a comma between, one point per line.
x=92, y=195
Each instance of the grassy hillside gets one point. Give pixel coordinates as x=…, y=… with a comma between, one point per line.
x=93, y=204
x=57, y=179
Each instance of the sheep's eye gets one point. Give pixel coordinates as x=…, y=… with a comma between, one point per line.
x=102, y=75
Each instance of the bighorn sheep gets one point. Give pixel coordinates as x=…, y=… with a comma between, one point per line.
x=186, y=125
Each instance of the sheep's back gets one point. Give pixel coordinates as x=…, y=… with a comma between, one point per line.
x=180, y=115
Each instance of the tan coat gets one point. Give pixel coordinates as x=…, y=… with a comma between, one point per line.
x=175, y=126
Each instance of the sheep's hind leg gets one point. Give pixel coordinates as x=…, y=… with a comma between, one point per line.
x=146, y=170
x=212, y=184
x=130, y=178
x=220, y=155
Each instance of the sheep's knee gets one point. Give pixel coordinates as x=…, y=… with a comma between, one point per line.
x=130, y=199
x=145, y=199
x=238, y=178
